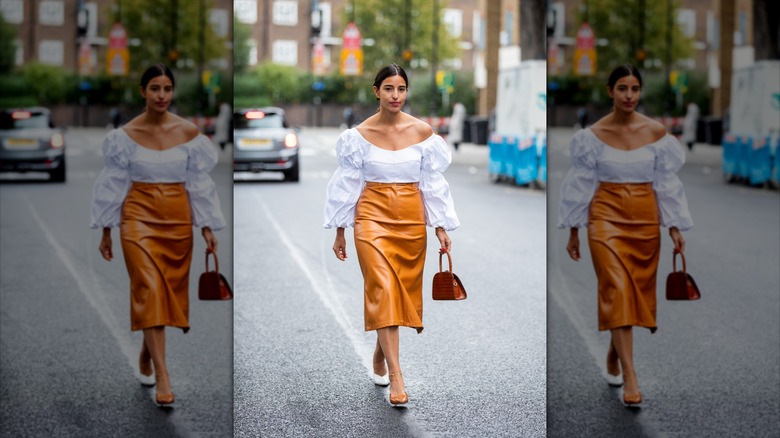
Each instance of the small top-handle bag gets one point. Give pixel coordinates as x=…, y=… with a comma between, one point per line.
x=679, y=284
x=213, y=285
x=447, y=285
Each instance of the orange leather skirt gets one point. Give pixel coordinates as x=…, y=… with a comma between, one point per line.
x=624, y=239
x=390, y=239
x=156, y=233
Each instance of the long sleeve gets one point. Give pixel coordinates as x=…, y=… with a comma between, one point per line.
x=345, y=185
x=112, y=184
x=579, y=185
x=672, y=203
x=204, y=200
x=439, y=206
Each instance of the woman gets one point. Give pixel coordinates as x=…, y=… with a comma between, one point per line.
x=155, y=186
x=389, y=185
x=622, y=185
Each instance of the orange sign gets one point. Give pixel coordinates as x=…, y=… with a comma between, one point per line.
x=85, y=58
x=585, y=52
x=351, y=61
x=117, y=56
x=319, y=62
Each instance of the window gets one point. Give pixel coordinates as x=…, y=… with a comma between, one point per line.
x=686, y=19
x=452, y=19
x=51, y=13
x=219, y=21
x=245, y=10
x=51, y=52
x=285, y=52
x=285, y=13
x=12, y=10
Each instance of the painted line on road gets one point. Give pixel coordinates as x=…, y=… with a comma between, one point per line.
x=326, y=294
x=93, y=295
x=561, y=291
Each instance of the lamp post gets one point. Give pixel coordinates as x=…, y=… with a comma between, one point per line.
x=435, y=59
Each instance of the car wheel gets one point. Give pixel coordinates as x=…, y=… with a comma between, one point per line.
x=58, y=174
x=293, y=174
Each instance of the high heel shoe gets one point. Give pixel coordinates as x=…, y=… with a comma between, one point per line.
x=164, y=401
x=145, y=380
x=613, y=380
x=632, y=401
x=397, y=400
x=380, y=380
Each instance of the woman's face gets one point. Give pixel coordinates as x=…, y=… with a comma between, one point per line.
x=158, y=93
x=625, y=94
x=392, y=93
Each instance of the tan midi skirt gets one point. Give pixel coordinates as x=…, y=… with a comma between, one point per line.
x=156, y=233
x=390, y=239
x=624, y=239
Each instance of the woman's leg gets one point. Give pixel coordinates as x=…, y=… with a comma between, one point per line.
x=623, y=339
x=145, y=359
x=388, y=339
x=613, y=360
x=380, y=368
x=154, y=338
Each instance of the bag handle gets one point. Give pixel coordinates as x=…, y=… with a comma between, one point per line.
x=216, y=261
x=674, y=262
x=449, y=260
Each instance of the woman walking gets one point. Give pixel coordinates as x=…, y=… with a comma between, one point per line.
x=389, y=185
x=622, y=185
x=155, y=186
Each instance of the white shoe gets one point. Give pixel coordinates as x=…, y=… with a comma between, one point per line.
x=381, y=380
x=145, y=380
x=614, y=380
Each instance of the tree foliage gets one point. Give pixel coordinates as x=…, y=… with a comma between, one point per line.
x=242, y=33
x=165, y=27
x=385, y=22
x=633, y=25
x=7, y=46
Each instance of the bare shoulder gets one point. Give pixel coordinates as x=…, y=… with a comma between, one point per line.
x=657, y=130
x=184, y=126
x=420, y=128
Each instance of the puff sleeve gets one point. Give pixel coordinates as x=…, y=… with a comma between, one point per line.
x=579, y=185
x=346, y=184
x=439, y=206
x=204, y=201
x=112, y=183
x=672, y=203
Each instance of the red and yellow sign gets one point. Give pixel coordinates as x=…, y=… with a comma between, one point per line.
x=117, y=56
x=319, y=60
x=351, y=62
x=585, y=52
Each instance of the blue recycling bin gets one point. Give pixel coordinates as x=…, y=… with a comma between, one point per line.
x=496, y=165
x=743, y=157
x=541, y=144
x=527, y=164
x=729, y=155
x=776, y=165
x=511, y=159
x=760, y=161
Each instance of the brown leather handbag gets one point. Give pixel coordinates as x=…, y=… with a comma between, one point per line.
x=679, y=284
x=446, y=285
x=213, y=285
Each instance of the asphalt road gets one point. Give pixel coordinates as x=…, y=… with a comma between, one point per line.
x=67, y=354
x=302, y=358
x=713, y=366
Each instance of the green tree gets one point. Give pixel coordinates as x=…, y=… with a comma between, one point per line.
x=47, y=82
x=7, y=46
x=631, y=26
x=242, y=32
x=169, y=30
x=398, y=25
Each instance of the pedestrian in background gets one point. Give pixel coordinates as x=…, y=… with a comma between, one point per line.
x=222, y=128
x=458, y=118
x=689, y=124
x=155, y=186
x=389, y=185
x=622, y=185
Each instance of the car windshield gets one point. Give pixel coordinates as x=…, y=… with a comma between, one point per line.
x=258, y=120
x=23, y=119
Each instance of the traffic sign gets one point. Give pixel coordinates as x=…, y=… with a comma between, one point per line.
x=351, y=61
x=585, y=52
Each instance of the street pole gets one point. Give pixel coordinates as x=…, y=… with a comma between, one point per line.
x=201, y=55
x=434, y=59
x=668, y=69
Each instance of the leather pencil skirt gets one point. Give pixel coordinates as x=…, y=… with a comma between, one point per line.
x=156, y=234
x=624, y=240
x=390, y=239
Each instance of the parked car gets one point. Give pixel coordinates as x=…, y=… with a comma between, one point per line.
x=30, y=142
x=263, y=141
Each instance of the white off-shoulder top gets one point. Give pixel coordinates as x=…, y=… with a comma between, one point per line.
x=127, y=161
x=594, y=161
x=360, y=161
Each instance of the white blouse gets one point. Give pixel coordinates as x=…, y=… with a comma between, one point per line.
x=127, y=161
x=360, y=161
x=594, y=161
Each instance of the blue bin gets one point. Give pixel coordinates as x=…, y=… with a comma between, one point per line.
x=776, y=170
x=743, y=157
x=496, y=155
x=511, y=159
x=541, y=144
x=729, y=155
x=527, y=163
x=760, y=162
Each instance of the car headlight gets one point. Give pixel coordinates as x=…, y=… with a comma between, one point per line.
x=290, y=140
x=57, y=140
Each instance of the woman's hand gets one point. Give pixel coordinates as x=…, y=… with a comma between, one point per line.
x=211, y=241
x=573, y=247
x=340, y=245
x=105, y=245
x=677, y=238
x=444, y=239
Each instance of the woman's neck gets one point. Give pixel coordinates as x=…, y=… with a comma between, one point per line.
x=622, y=117
x=388, y=118
x=154, y=117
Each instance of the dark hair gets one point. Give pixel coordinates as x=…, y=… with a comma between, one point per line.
x=623, y=71
x=390, y=70
x=156, y=71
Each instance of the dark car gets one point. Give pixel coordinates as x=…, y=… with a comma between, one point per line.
x=30, y=142
x=263, y=141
